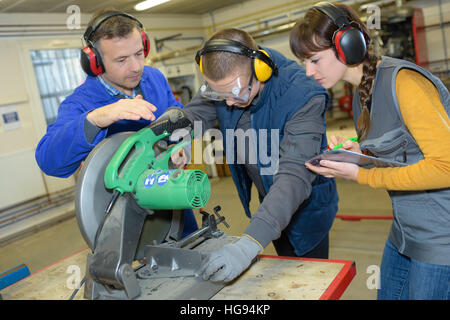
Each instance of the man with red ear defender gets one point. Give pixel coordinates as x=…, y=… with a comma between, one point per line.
x=119, y=94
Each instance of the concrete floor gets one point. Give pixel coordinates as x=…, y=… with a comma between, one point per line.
x=359, y=241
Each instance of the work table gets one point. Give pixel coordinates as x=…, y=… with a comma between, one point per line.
x=269, y=278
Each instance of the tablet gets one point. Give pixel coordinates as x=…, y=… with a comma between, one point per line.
x=341, y=155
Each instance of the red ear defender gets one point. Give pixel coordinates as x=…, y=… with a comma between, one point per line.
x=90, y=63
x=90, y=59
x=349, y=42
x=145, y=43
x=337, y=45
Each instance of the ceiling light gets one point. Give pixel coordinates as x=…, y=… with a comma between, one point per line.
x=144, y=5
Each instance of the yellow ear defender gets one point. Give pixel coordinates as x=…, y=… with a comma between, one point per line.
x=263, y=66
x=200, y=65
x=262, y=70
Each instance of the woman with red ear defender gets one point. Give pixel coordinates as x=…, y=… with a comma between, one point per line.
x=400, y=111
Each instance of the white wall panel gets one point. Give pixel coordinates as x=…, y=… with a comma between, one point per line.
x=21, y=178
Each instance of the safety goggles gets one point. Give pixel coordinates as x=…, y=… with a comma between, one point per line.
x=239, y=93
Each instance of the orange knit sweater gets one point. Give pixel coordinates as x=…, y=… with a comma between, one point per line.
x=427, y=121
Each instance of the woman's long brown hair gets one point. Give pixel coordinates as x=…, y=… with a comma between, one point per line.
x=365, y=91
x=314, y=33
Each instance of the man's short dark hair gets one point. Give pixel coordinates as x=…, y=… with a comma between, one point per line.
x=114, y=27
x=218, y=65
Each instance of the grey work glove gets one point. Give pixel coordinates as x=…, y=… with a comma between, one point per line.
x=230, y=261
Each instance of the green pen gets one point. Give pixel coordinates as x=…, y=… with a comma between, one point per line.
x=340, y=145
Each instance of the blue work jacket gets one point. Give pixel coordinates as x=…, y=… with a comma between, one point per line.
x=64, y=146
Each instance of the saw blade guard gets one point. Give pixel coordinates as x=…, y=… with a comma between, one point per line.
x=91, y=199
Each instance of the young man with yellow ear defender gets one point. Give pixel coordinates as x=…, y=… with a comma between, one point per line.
x=261, y=97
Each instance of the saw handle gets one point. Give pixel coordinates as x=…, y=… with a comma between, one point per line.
x=136, y=154
x=172, y=119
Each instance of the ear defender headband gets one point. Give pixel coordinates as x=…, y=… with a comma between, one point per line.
x=90, y=59
x=263, y=66
x=348, y=42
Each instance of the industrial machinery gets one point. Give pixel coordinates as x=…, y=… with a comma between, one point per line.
x=130, y=203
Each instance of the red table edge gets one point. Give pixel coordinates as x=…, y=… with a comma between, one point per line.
x=360, y=217
x=339, y=283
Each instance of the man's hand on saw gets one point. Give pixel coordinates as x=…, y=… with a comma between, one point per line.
x=124, y=109
x=229, y=261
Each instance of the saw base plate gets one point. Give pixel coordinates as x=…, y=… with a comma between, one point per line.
x=169, y=288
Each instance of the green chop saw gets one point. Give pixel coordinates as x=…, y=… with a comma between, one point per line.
x=130, y=203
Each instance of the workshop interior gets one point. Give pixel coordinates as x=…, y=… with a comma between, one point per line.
x=122, y=211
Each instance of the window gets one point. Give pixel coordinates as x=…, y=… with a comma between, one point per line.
x=58, y=73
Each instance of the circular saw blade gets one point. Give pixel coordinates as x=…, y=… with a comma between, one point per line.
x=91, y=199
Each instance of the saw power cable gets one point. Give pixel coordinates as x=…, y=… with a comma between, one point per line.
x=114, y=197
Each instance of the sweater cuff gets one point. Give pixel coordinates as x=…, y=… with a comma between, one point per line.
x=363, y=176
x=90, y=131
x=261, y=232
